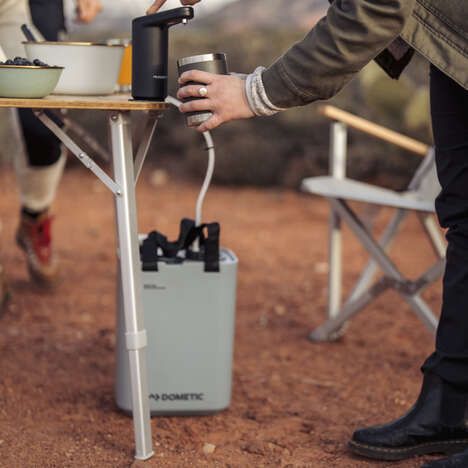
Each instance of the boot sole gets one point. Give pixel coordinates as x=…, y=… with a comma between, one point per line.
x=447, y=447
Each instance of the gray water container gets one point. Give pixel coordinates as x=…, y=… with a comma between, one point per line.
x=189, y=317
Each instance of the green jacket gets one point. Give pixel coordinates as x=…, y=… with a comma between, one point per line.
x=356, y=31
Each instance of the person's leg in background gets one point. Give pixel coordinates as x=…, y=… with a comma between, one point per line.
x=438, y=422
x=449, y=103
x=13, y=13
x=40, y=171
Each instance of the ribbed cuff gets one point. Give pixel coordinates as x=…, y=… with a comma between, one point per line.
x=257, y=97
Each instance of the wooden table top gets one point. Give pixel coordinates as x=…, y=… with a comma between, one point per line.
x=111, y=102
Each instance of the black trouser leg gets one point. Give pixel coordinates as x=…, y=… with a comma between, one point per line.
x=43, y=148
x=449, y=108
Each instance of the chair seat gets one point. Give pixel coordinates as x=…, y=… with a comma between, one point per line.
x=331, y=187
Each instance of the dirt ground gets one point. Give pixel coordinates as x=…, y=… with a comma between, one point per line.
x=294, y=404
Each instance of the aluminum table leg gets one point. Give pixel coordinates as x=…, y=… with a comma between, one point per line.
x=122, y=158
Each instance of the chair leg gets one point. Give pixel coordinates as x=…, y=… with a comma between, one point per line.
x=384, y=262
x=423, y=311
x=431, y=275
x=417, y=303
x=337, y=161
x=332, y=328
x=366, y=239
x=362, y=294
x=335, y=265
x=372, y=267
x=433, y=231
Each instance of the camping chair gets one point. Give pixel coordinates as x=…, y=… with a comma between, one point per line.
x=419, y=198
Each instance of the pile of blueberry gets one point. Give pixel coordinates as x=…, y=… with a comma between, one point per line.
x=23, y=62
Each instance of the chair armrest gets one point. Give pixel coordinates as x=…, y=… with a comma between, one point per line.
x=375, y=130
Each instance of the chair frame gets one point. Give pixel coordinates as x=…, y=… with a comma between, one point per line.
x=365, y=290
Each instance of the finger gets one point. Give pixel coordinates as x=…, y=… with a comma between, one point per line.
x=83, y=16
x=189, y=2
x=155, y=6
x=196, y=75
x=88, y=15
x=196, y=105
x=210, y=124
x=189, y=91
x=86, y=11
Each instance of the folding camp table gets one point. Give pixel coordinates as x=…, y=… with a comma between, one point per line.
x=122, y=185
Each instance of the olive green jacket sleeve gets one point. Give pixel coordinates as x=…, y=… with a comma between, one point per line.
x=351, y=34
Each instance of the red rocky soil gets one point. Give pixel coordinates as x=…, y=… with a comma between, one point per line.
x=295, y=403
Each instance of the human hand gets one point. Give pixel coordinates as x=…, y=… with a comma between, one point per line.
x=87, y=10
x=226, y=97
x=159, y=3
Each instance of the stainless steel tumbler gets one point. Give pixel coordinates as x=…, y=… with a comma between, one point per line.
x=211, y=63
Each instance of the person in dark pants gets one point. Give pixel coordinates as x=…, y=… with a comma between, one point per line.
x=43, y=149
x=438, y=420
x=449, y=362
x=353, y=33
x=449, y=108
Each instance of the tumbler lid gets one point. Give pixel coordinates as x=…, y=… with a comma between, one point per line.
x=200, y=58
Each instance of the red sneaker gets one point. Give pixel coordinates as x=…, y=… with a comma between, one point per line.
x=34, y=238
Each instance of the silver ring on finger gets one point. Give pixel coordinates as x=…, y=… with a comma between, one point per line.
x=203, y=91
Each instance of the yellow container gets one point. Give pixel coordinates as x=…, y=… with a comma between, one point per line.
x=124, y=82
x=125, y=77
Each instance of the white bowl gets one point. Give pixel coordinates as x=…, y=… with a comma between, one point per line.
x=17, y=81
x=90, y=69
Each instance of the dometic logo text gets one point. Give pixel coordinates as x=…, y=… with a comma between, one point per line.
x=177, y=396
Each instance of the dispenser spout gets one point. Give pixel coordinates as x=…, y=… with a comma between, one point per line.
x=165, y=18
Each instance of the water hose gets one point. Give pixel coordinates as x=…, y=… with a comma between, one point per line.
x=209, y=171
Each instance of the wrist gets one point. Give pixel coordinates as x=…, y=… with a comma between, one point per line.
x=257, y=98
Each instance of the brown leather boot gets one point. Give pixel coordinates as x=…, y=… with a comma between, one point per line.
x=34, y=238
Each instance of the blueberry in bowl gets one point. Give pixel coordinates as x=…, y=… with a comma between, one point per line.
x=23, y=78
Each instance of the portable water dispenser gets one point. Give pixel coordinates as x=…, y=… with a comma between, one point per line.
x=189, y=302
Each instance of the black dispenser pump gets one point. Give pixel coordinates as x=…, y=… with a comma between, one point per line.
x=150, y=39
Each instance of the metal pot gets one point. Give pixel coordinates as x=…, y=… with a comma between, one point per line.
x=90, y=68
